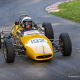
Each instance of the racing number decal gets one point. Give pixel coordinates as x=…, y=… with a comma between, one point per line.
x=37, y=41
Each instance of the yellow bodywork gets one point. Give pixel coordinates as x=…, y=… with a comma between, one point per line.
x=38, y=46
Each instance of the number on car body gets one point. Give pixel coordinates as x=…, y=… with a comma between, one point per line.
x=37, y=41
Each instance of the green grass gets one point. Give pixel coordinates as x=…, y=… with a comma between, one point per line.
x=69, y=10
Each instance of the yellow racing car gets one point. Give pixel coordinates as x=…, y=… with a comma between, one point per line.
x=36, y=42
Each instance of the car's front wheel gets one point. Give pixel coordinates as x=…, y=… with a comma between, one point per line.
x=65, y=42
x=9, y=52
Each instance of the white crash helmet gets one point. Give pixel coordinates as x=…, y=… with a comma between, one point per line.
x=26, y=19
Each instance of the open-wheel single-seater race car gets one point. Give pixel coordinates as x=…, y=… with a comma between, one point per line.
x=37, y=43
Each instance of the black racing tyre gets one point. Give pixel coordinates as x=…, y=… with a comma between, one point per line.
x=49, y=33
x=9, y=52
x=0, y=40
x=66, y=45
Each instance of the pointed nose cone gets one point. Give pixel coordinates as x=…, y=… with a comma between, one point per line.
x=39, y=51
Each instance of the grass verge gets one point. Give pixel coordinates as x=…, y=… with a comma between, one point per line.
x=69, y=10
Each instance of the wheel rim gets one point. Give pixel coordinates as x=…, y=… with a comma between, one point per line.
x=61, y=45
x=5, y=52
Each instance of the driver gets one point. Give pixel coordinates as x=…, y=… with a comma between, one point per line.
x=26, y=24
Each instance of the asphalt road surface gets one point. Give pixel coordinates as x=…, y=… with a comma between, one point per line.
x=59, y=67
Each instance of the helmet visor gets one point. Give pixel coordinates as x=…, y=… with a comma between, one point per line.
x=28, y=23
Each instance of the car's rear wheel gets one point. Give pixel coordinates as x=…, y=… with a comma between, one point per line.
x=49, y=33
x=0, y=40
x=9, y=52
x=65, y=42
